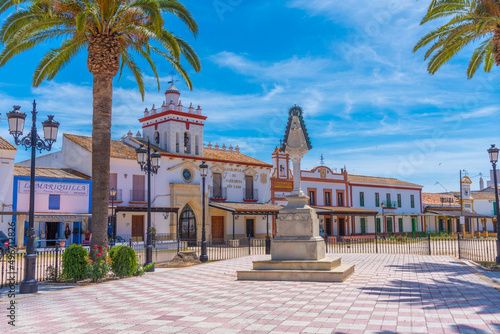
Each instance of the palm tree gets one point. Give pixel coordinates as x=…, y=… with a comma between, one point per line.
x=470, y=21
x=113, y=32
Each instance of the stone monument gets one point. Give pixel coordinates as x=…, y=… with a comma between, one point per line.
x=298, y=251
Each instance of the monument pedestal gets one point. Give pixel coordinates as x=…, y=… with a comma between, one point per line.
x=298, y=253
x=324, y=270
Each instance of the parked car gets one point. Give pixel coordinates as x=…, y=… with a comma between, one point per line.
x=4, y=244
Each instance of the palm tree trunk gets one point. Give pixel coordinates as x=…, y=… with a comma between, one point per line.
x=496, y=45
x=101, y=150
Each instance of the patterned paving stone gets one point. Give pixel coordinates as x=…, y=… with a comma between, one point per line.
x=386, y=294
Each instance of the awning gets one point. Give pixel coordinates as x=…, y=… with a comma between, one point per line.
x=145, y=209
x=457, y=214
x=344, y=211
x=248, y=208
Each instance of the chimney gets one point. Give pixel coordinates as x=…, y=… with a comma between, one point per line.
x=230, y=147
x=146, y=112
x=198, y=110
x=209, y=145
x=216, y=145
x=138, y=135
x=153, y=110
x=237, y=149
x=223, y=146
x=191, y=108
x=481, y=183
x=129, y=133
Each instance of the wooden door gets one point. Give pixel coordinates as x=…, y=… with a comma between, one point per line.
x=250, y=228
x=217, y=228
x=341, y=226
x=137, y=228
x=328, y=226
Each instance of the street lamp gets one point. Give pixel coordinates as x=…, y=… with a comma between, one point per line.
x=31, y=140
x=203, y=173
x=493, y=153
x=384, y=225
x=150, y=163
x=112, y=194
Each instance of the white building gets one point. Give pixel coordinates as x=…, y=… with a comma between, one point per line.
x=237, y=186
x=352, y=204
x=7, y=156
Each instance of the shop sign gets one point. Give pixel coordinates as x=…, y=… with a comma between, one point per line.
x=55, y=188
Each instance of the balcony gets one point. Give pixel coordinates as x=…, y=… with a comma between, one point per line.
x=250, y=195
x=138, y=195
x=118, y=197
x=389, y=205
x=218, y=194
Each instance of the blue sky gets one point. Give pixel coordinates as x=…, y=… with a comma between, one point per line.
x=369, y=103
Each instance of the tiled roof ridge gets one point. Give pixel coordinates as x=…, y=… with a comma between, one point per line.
x=5, y=145
x=386, y=178
x=66, y=170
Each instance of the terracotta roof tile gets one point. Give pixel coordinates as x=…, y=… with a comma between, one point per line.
x=248, y=207
x=59, y=173
x=431, y=199
x=212, y=154
x=483, y=195
x=380, y=180
x=118, y=149
x=5, y=145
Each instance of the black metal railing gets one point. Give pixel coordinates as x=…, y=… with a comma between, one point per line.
x=250, y=194
x=138, y=195
x=218, y=193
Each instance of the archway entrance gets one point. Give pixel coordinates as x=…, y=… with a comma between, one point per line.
x=187, y=222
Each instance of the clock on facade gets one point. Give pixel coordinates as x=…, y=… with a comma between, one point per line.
x=186, y=175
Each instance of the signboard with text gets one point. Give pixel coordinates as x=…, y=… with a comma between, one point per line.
x=55, y=188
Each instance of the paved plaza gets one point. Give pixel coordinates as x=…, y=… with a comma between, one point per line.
x=386, y=294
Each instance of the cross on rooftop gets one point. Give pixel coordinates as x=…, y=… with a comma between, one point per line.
x=172, y=74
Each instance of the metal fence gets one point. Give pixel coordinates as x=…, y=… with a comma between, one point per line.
x=480, y=249
x=12, y=265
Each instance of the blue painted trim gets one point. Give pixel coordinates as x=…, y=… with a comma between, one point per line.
x=43, y=178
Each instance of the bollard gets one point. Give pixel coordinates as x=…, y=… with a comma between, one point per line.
x=249, y=246
x=57, y=260
x=268, y=245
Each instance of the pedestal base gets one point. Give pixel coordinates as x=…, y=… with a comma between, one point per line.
x=324, y=270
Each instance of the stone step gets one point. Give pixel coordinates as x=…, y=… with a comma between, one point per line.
x=339, y=274
x=323, y=264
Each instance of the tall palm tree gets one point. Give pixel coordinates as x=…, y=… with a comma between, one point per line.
x=470, y=21
x=112, y=32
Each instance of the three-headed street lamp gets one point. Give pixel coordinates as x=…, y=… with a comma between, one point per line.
x=112, y=194
x=384, y=225
x=150, y=163
x=33, y=141
x=493, y=153
x=203, y=173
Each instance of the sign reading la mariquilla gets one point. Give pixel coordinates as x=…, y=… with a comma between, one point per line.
x=54, y=188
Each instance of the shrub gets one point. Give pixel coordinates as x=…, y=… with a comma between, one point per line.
x=141, y=270
x=74, y=262
x=99, y=267
x=52, y=275
x=124, y=262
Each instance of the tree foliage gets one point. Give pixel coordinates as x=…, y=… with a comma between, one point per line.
x=469, y=22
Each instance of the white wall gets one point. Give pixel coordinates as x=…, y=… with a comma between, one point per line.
x=369, y=195
x=6, y=183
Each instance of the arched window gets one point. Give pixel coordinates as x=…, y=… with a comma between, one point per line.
x=187, y=143
x=156, y=138
x=165, y=141
x=196, y=146
x=177, y=142
x=187, y=223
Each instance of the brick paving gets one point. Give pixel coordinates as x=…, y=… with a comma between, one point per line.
x=386, y=294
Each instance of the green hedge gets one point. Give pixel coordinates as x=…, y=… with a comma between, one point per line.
x=124, y=261
x=74, y=262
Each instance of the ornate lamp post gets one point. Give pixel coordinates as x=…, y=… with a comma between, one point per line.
x=32, y=140
x=493, y=153
x=203, y=173
x=150, y=163
x=112, y=194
